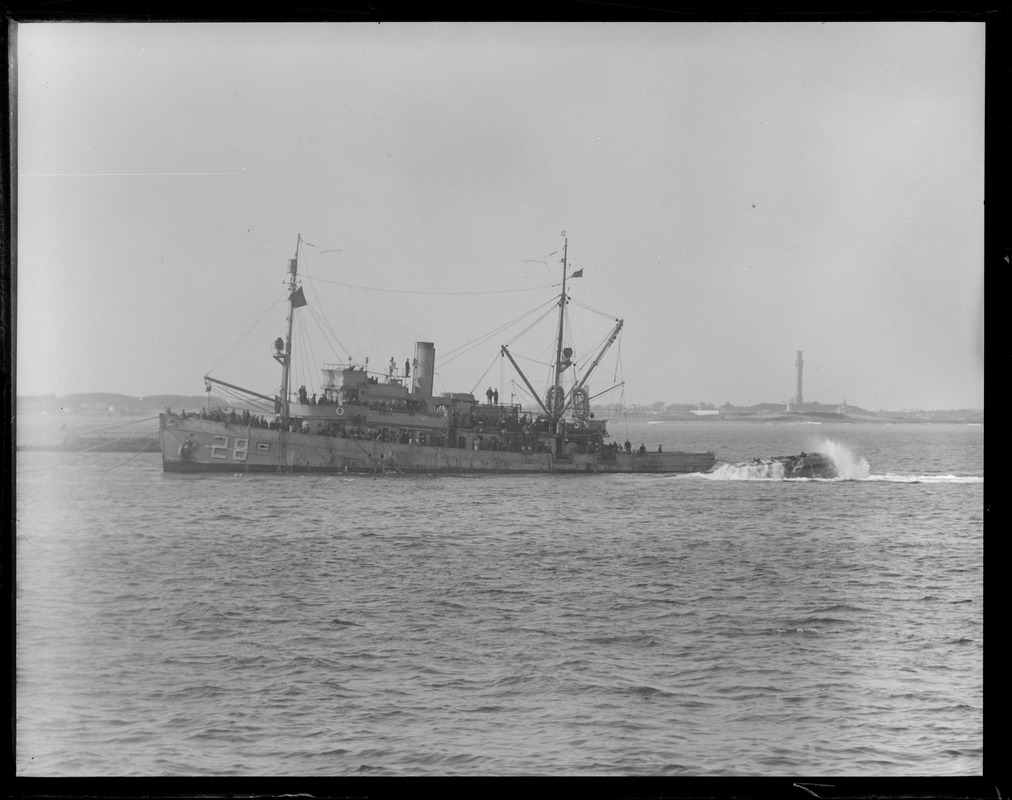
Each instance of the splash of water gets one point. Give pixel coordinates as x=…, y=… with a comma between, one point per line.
x=748, y=472
x=848, y=466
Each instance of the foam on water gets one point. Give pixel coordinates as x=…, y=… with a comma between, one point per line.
x=848, y=466
x=856, y=468
x=928, y=478
x=747, y=472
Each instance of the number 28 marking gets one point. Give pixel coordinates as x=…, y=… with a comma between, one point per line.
x=219, y=449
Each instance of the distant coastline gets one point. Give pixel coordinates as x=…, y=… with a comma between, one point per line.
x=104, y=422
x=777, y=413
x=108, y=404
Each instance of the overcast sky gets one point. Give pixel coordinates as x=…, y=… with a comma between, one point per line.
x=735, y=192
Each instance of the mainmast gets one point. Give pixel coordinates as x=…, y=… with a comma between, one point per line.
x=556, y=396
x=295, y=300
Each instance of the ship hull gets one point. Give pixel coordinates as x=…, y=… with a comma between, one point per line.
x=194, y=445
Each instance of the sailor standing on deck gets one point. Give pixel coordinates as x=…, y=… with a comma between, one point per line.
x=488, y=394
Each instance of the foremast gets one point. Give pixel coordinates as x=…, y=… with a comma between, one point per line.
x=295, y=300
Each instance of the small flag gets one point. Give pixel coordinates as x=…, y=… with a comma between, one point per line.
x=577, y=274
x=298, y=298
x=563, y=233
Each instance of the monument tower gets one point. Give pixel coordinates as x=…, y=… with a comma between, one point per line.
x=800, y=363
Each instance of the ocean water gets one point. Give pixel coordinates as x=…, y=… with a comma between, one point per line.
x=599, y=625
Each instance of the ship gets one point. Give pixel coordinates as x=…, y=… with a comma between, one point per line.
x=393, y=422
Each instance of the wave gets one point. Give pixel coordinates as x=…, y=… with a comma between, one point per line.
x=849, y=467
x=889, y=478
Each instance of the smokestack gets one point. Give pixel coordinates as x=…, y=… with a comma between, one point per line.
x=425, y=366
x=800, y=363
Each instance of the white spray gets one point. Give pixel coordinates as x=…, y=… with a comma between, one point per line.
x=754, y=471
x=848, y=466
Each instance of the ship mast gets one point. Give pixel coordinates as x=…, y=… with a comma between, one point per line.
x=556, y=400
x=286, y=359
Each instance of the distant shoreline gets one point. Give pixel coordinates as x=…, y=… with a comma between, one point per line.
x=96, y=405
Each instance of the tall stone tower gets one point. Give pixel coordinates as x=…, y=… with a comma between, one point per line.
x=799, y=363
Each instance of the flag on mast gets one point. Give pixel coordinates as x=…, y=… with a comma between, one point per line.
x=298, y=298
x=577, y=274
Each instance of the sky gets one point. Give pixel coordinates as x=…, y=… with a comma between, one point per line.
x=735, y=192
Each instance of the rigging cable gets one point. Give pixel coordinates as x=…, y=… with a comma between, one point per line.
x=465, y=348
x=209, y=371
x=316, y=309
x=428, y=258
x=417, y=291
x=139, y=452
x=594, y=310
x=481, y=380
x=470, y=259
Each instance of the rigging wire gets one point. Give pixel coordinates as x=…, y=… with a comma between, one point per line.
x=117, y=426
x=307, y=356
x=278, y=300
x=417, y=291
x=316, y=309
x=350, y=317
x=467, y=347
x=244, y=400
x=90, y=451
x=522, y=392
x=593, y=310
x=325, y=328
x=79, y=433
x=151, y=438
x=527, y=330
x=481, y=380
x=428, y=258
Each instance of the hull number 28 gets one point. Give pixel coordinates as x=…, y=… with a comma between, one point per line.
x=219, y=449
